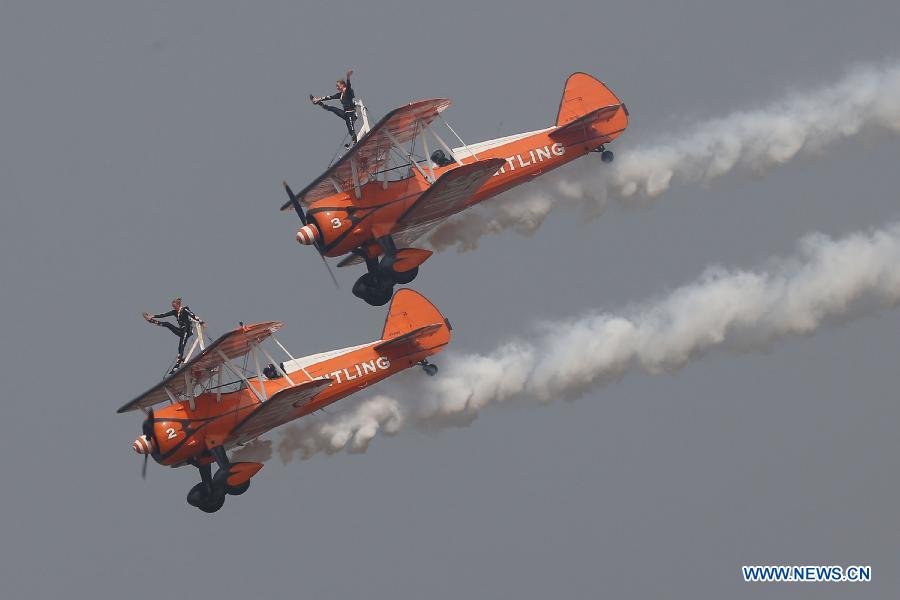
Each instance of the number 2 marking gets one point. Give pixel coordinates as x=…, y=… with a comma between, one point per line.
x=170, y=432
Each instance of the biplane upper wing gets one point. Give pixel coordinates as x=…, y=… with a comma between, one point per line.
x=371, y=152
x=233, y=344
x=282, y=407
x=446, y=197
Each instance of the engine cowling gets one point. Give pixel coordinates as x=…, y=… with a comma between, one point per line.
x=330, y=217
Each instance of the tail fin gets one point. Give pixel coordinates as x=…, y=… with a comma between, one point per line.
x=412, y=313
x=583, y=94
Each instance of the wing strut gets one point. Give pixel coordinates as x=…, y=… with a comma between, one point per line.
x=409, y=157
x=189, y=388
x=444, y=121
x=238, y=374
x=355, y=169
x=276, y=365
x=259, y=374
x=291, y=356
x=444, y=144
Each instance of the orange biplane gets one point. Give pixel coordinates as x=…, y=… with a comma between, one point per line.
x=380, y=197
x=206, y=416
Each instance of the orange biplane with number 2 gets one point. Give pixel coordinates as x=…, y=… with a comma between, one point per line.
x=373, y=209
x=207, y=415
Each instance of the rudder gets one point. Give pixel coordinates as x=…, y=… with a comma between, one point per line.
x=582, y=94
x=410, y=310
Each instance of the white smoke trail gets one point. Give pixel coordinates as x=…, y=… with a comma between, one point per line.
x=867, y=99
x=827, y=280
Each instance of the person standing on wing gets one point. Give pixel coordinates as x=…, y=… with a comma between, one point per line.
x=184, y=329
x=348, y=109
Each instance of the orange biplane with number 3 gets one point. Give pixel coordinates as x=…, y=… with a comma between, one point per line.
x=373, y=209
x=207, y=415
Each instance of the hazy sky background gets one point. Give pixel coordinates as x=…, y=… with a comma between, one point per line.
x=143, y=146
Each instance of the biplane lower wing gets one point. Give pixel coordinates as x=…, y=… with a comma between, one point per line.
x=600, y=115
x=370, y=154
x=234, y=344
x=446, y=197
x=282, y=407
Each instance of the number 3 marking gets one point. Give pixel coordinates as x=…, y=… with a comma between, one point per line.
x=335, y=223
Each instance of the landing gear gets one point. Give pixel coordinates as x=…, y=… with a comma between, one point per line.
x=206, y=499
x=430, y=369
x=209, y=494
x=377, y=286
x=606, y=156
x=206, y=495
x=374, y=289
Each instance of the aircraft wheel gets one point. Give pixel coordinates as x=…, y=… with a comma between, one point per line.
x=607, y=156
x=197, y=494
x=379, y=296
x=200, y=497
x=405, y=277
x=212, y=503
x=373, y=290
x=430, y=369
x=237, y=490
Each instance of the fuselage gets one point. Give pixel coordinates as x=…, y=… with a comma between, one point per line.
x=347, y=222
x=184, y=434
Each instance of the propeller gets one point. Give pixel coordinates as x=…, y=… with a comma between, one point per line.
x=303, y=219
x=147, y=429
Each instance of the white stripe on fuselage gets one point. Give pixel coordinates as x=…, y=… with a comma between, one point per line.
x=298, y=364
x=462, y=153
x=358, y=370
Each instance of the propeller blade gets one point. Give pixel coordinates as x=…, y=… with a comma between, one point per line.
x=147, y=430
x=318, y=243
x=330, y=272
x=294, y=202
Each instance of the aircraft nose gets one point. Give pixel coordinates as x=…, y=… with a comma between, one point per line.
x=142, y=445
x=307, y=235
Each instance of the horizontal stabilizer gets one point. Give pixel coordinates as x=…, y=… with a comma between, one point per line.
x=600, y=115
x=408, y=338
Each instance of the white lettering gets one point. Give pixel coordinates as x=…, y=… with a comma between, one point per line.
x=558, y=149
x=543, y=153
x=362, y=369
x=369, y=367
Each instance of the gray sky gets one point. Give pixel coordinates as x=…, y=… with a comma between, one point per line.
x=143, y=149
